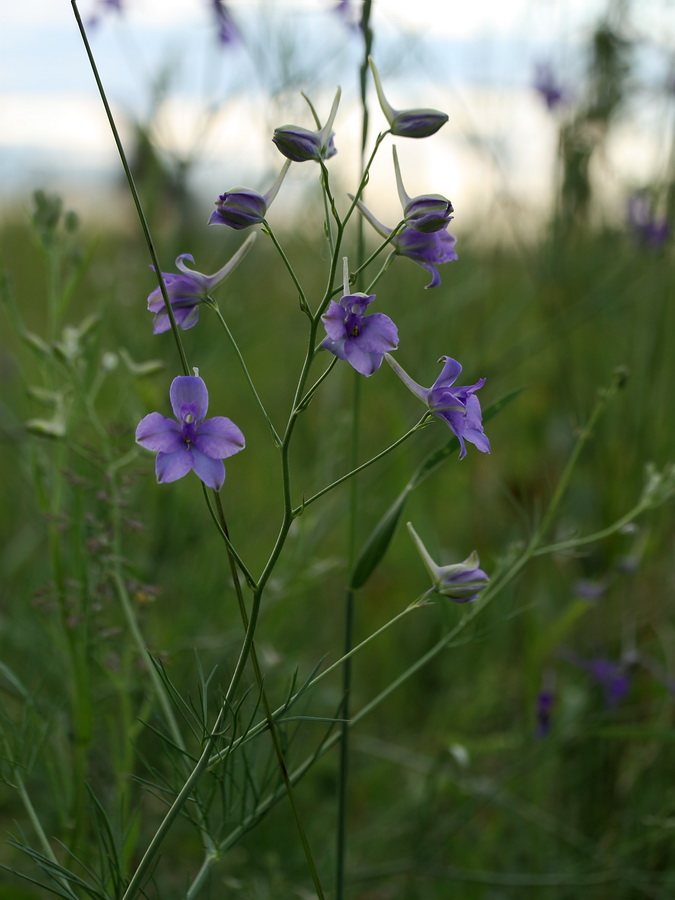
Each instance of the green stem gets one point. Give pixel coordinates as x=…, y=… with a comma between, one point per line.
x=299, y=509
x=275, y=436
x=304, y=305
x=134, y=193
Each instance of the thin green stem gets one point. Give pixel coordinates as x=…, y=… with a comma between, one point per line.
x=304, y=305
x=134, y=193
x=299, y=509
x=275, y=435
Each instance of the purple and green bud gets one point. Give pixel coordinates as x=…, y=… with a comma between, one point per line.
x=300, y=144
x=461, y=582
x=413, y=123
x=241, y=207
x=188, y=290
x=426, y=213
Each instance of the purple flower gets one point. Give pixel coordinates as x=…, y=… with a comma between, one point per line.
x=241, y=207
x=649, y=230
x=359, y=339
x=348, y=13
x=545, y=700
x=427, y=250
x=228, y=33
x=193, y=441
x=300, y=144
x=188, y=290
x=461, y=582
x=611, y=676
x=426, y=213
x=457, y=406
x=413, y=123
x=546, y=84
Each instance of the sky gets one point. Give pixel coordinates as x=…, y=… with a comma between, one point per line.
x=473, y=60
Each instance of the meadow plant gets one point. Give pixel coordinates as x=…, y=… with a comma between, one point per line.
x=212, y=760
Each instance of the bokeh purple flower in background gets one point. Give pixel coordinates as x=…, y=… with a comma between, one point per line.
x=544, y=710
x=412, y=123
x=241, y=207
x=190, y=442
x=548, y=87
x=461, y=582
x=457, y=406
x=188, y=290
x=227, y=30
x=301, y=145
x=649, y=229
x=610, y=675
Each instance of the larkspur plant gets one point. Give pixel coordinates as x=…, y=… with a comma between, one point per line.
x=222, y=753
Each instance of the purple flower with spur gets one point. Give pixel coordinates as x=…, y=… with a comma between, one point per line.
x=190, y=441
x=242, y=207
x=228, y=33
x=548, y=87
x=426, y=249
x=457, y=406
x=428, y=212
x=188, y=290
x=413, y=123
x=648, y=229
x=359, y=339
x=461, y=582
x=300, y=144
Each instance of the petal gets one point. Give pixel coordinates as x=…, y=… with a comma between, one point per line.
x=156, y=432
x=364, y=362
x=449, y=373
x=189, y=389
x=211, y=471
x=172, y=466
x=378, y=334
x=412, y=385
x=334, y=322
x=186, y=317
x=218, y=438
x=337, y=348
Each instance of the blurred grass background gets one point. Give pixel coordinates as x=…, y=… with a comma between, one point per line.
x=453, y=793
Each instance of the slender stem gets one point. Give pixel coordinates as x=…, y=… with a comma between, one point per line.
x=134, y=193
x=304, y=306
x=365, y=465
x=214, y=307
x=304, y=403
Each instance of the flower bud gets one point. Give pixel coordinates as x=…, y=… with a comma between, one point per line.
x=460, y=582
x=241, y=207
x=300, y=144
x=413, y=123
x=426, y=213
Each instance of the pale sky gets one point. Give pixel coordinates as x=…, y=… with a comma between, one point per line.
x=473, y=59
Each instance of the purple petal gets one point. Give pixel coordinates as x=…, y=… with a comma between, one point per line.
x=172, y=466
x=211, y=471
x=449, y=373
x=156, y=432
x=186, y=317
x=334, y=322
x=378, y=334
x=218, y=438
x=364, y=362
x=188, y=389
